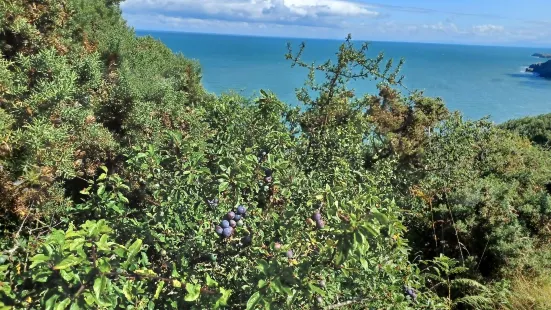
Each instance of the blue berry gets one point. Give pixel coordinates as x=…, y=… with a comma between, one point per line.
x=316, y=216
x=320, y=224
x=219, y=230
x=410, y=292
x=241, y=210
x=237, y=217
x=247, y=240
x=290, y=254
x=228, y=232
x=225, y=224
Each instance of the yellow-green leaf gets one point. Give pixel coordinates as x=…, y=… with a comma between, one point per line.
x=67, y=262
x=160, y=286
x=193, y=292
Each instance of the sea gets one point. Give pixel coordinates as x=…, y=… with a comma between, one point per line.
x=478, y=81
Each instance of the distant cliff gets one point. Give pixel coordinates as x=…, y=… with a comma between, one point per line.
x=540, y=55
x=542, y=69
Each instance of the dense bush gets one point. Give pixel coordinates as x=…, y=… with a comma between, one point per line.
x=124, y=184
x=536, y=128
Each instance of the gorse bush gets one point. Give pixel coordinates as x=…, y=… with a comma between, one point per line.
x=124, y=184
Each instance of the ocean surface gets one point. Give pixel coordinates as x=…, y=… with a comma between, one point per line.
x=479, y=81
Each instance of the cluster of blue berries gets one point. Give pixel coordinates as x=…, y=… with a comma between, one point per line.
x=319, y=221
x=232, y=219
x=409, y=291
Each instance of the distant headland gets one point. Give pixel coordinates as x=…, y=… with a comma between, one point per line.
x=542, y=69
x=541, y=55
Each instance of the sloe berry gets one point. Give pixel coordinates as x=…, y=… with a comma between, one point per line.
x=225, y=224
x=410, y=292
x=247, y=240
x=290, y=254
x=233, y=223
x=241, y=210
x=237, y=217
x=320, y=224
x=230, y=215
x=228, y=232
x=316, y=216
x=240, y=223
x=219, y=230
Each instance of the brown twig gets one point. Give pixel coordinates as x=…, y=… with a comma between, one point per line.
x=16, y=246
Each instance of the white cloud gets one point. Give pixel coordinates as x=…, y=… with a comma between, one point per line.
x=298, y=12
x=488, y=29
x=327, y=19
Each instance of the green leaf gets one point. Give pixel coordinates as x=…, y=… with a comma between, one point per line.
x=133, y=250
x=127, y=290
x=263, y=266
x=102, y=244
x=223, y=186
x=253, y=300
x=317, y=290
x=101, y=190
x=276, y=283
x=50, y=303
x=67, y=262
x=261, y=283
x=380, y=217
x=37, y=259
x=99, y=286
x=122, y=198
x=102, y=177
x=62, y=305
x=160, y=286
x=211, y=282
x=77, y=244
x=223, y=300
x=193, y=292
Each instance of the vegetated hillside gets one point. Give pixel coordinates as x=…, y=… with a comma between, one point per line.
x=537, y=129
x=124, y=184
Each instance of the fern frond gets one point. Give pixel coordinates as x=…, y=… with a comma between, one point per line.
x=464, y=282
x=475, y=301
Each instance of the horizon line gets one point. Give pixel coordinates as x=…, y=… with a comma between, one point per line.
x=136, y=29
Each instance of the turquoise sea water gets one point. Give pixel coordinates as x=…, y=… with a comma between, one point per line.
x=476, y=80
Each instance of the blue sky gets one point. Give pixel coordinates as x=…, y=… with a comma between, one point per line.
x=488, y=22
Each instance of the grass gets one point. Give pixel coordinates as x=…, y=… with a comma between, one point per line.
x=531, y=293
